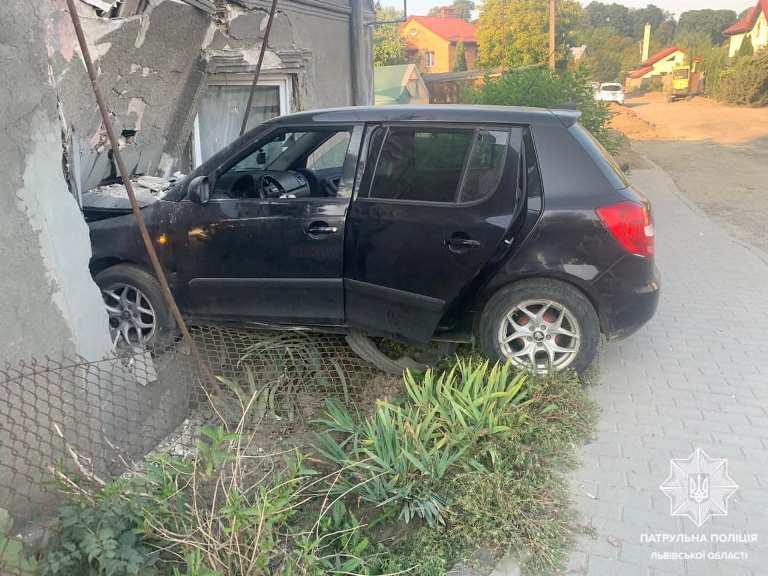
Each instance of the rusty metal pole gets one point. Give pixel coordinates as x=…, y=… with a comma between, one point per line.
x=258, y=66
x=552, y=28
x=131, y=195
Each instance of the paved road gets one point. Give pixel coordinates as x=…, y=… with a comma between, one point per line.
x=695, y=377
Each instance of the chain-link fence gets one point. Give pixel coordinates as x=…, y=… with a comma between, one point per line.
x=101, y=418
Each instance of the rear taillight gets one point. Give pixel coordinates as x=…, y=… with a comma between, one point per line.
x=631, y=224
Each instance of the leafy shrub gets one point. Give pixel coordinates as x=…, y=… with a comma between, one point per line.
x=543, y=88
x=399, y=456
x=395, y=459
x=521, y=503
x=101, y=535
x=746, y=81
x=13, y=558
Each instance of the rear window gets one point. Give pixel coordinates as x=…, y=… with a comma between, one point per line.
x=612, y=87
x=608, y=166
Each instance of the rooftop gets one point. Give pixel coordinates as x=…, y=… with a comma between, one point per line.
x=451, y=29
x=746, y=23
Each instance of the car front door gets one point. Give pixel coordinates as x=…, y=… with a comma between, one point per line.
x=432, y=206
x=256, y=252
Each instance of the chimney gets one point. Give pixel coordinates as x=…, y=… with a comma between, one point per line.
x=646, y=42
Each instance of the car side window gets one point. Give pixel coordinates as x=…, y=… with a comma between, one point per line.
x=330, y=155
x=290, y=163
x=532, y=173
x=421, y=164
x=486, y=165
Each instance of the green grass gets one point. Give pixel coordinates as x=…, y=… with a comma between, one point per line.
x=471, y=456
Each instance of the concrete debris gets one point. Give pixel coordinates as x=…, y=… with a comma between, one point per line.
x=103, y=5
x=148, y=189
x=204, y=5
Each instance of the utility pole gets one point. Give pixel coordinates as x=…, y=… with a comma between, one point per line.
x=552, y=24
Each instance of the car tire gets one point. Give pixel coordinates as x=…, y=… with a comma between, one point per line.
x=144, y=305
x=513, y=313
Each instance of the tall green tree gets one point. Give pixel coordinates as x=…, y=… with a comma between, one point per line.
x=388, y=45
x=462, y=9
x=512, y=33
x=613, y=16
x=651, y=14
x=609, y=55
x=709, y=22
x=460, y=61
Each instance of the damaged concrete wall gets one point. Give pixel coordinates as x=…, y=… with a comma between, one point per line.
x=48, y=302
x=155, y=66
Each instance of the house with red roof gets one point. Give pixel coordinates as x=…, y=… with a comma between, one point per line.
x=434, y=42
x=753, y=27
x=659, y=64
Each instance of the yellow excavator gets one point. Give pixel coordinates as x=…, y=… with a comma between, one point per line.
x=684, y=81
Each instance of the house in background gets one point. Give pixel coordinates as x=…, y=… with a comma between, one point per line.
x=753, y=27
x=432, y=42
x=656, y=66
x=399, y=84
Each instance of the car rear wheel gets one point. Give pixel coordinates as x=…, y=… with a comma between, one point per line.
x=138, y=315
x=540, y=325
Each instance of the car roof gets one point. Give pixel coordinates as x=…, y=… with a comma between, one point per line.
x=611, y=84
x=435, y=113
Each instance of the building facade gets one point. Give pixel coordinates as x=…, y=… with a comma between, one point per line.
x=753, y=27
x=660, y=64
x=175, y=75
x=433, y=43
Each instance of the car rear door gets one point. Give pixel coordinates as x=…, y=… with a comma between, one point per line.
x=433, y=204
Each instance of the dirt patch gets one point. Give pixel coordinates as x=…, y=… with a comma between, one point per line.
x=717, y=155
x=650, y=117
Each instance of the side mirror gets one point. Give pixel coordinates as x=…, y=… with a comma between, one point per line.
x=199, y=190
x=624, y=167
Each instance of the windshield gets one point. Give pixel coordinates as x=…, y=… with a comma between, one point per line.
x=612, y=87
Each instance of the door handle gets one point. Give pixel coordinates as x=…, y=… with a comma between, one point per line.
x=321, y=229
x=461, y=244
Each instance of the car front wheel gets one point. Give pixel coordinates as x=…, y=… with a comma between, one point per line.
x=540, y=325
x=138, y=315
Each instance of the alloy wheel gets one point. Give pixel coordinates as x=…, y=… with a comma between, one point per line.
x=132, y=319
x=541, y=336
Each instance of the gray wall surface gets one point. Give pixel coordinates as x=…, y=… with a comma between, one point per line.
x=48, y=303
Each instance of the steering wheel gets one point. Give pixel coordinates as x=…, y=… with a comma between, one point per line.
x=314, y=182
x=269, y=187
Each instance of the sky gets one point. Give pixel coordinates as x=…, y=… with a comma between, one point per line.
x=421, y=7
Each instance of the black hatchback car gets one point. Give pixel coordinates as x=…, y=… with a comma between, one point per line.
x=508, y=226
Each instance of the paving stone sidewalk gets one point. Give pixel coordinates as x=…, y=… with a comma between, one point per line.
x=695, y=377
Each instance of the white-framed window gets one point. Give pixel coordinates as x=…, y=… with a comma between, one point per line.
x=221, y=109
x=429, y=59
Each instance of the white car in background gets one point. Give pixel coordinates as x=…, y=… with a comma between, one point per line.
x=610, y=92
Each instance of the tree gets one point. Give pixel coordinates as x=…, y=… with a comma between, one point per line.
x=460, y=61
x=709, y=22
x=462, y=8
x=697, y=44
x=608, y=54
x=512, y=33
x=544, y=88
x=651, y=14
x=388, y=45
x=613, y=16
x=746, y=49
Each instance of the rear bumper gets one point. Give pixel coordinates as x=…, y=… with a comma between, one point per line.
x=626, y=306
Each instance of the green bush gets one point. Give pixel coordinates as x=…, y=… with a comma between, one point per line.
x=474, y=454
x=400, y=456
x=745, y=82
x=542, y=88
